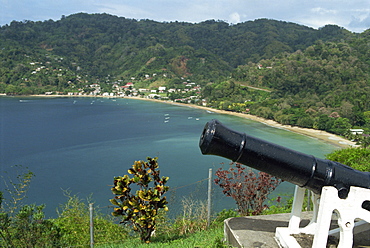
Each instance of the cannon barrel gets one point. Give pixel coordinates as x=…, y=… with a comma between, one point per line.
x=289, y=165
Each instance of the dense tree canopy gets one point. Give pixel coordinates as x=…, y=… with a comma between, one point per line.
x=93, y=46
x=283, y=71
x=324, y=86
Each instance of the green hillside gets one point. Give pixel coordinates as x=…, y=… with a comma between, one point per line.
x=326, y=87
x=278, y=70
x=101, y=47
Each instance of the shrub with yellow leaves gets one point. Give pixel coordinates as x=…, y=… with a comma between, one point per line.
x=140, y=209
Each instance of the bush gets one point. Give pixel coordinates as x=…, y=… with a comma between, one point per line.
x=282, y=204
x=74, y=223
x=140, y=210
x=24, y=225
x=225, y=214
x=247, y=188
x=193, y=218
x=357, y=158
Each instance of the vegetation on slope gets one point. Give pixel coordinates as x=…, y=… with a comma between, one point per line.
x=71, y=228
x=97, y=46
x=323, y=87
x=290, y=73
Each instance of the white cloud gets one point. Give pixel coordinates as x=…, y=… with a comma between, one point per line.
x=323, y=11
x=352, y=14
x=234, y=18
x=359, y=23
x=128, y=11
x=317, y=22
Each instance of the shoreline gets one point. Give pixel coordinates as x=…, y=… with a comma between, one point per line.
x=324, y=136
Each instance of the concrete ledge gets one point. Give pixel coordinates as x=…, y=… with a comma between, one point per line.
x=285, y=239
x=257, y=231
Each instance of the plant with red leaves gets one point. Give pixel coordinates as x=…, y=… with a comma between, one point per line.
x=248, y=188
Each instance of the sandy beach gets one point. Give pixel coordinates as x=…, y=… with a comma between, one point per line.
x=330, y=138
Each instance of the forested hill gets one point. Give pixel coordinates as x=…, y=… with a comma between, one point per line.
x=282, y=71
x=96, y=46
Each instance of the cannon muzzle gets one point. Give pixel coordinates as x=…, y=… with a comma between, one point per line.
x=289, y=165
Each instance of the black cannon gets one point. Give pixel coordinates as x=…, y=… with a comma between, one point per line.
x=298, y=168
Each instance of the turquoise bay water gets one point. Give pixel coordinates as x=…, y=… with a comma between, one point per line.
x=80, y=144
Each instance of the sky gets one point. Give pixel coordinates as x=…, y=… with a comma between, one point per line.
x=353, y=15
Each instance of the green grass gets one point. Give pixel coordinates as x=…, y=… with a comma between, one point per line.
x=202, y=239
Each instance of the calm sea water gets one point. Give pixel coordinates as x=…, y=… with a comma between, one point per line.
x=80, y=144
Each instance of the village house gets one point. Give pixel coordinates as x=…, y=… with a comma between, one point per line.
x=154, y=96
x=95, y=85
x=356, y=131
x=161, y=89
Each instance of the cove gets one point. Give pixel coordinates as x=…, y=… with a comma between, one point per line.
x=79, y=144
